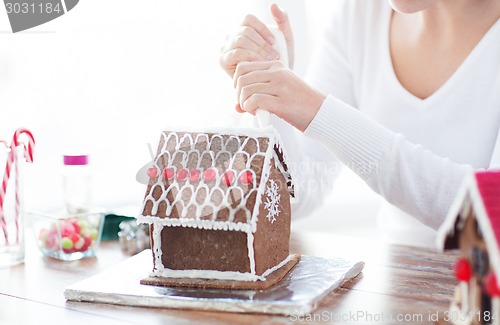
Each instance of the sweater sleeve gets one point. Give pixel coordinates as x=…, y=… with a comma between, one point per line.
x=407, y=175
x=314, y=168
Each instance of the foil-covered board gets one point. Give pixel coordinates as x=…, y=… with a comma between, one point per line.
x=297, y=294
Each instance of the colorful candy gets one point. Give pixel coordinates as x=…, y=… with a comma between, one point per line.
x=194, y=174
x=168, y=173
x=209, y=175
x=182, y=174
x=152, y=172
x=227, y=177
x=246, y=178
x=68, y=235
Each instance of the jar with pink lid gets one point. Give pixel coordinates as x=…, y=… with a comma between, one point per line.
x=77, y=183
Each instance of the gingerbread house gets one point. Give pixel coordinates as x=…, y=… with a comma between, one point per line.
x=218, y=205
x=473, y=226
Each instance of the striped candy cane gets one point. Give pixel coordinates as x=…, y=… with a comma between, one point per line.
x=12, y=160
x=16, y=179
x=3, y=223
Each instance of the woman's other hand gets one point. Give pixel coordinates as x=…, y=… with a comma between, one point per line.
x=253, y=41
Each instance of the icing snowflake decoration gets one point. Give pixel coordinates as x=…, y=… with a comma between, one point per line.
x=272, y=203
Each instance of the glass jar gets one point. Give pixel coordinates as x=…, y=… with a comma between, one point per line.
x=77, y=184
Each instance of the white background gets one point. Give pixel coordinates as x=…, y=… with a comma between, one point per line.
x=107, y=77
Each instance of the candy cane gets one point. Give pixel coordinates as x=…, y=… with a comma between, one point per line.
x=12, y=159
x=28, y=154
x=29, y=147
x=3, y=188
x=16, y=179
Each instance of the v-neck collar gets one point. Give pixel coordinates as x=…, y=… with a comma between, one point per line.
x=442, y=90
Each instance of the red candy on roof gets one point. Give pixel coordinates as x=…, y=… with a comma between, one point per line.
x=152, y=172
x=246, y=178
x=228, y=177
x=194, y=175
x=209, y=175
x=182, y=174
x=168, y=173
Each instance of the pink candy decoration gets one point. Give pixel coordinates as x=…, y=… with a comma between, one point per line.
x=209, y=175
x=168, y=173
x=182, y=174
x=228, y=178
x=194, y=175
x=246, y=178
x=152, y=172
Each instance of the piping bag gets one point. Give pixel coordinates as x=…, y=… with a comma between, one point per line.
x=263, y=116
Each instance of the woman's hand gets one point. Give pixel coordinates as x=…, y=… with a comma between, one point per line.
x=254, y=42
x=275, y=88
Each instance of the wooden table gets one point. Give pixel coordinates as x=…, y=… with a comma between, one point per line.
x=403, y=282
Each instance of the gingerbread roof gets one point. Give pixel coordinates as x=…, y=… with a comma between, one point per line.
x=212, y=180
x=481, y=192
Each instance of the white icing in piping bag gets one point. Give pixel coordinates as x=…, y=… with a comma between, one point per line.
x=263, y=116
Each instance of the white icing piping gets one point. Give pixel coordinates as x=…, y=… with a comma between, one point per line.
x=208, y=274
x=278, y=266
x=233, y=193
x=228, y=195
x=272, y=204
x=250, y=132
x=266, y=170
x=196, y=223
x=157, y=251
x=251, y=252
x=218, y=275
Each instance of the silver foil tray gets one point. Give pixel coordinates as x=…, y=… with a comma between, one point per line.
x=297, y=294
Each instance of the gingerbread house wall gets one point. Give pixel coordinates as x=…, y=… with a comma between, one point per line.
x=272, y=240
x=201, y=249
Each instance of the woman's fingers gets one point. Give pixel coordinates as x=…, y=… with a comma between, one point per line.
x=255, y=77
x=255, y=88
x=245, y=68
x=248, y=39
x=238, y=108
x=260, y=27
x=255, y=37
x=232, y=58
x=260, y=101
x=250, y=43
x=245, y=43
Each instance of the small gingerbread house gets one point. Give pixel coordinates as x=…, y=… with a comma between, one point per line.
x=473, y=226
x=218, y=205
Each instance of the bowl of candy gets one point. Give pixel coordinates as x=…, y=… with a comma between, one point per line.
x=66, y=236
